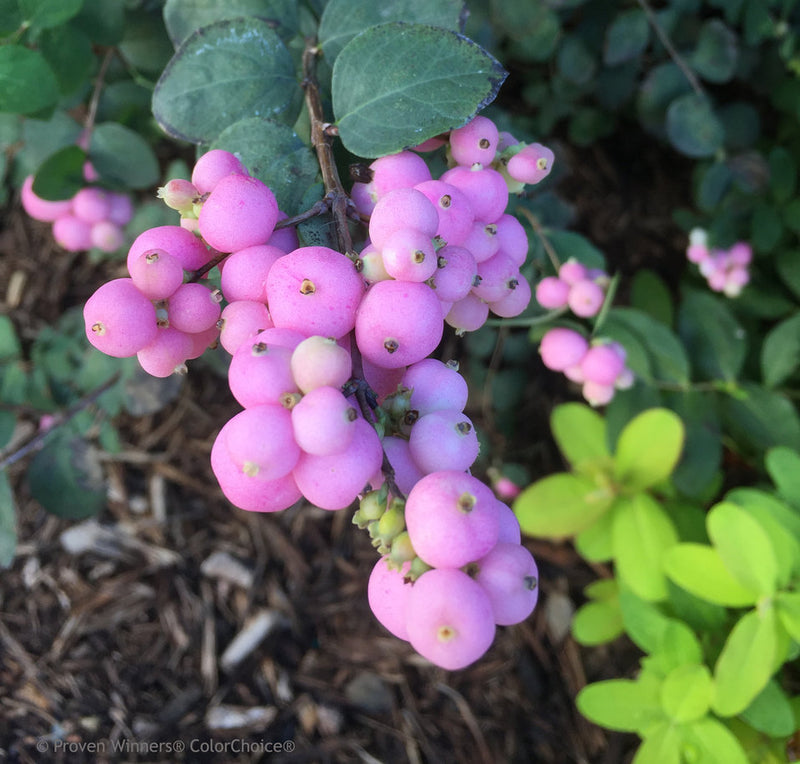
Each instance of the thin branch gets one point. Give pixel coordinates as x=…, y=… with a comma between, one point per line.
x=88, y=125
x=35, y=442
x=667, y=43
x=539, y=231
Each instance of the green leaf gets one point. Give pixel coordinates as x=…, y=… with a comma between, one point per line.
x=711, y=742
x=787, y=263
x=61, y=174
x=8, y=522
x=27, y=83
x=69, y=52
x=744, y=547
x=274, y=154
x=661, y=746
x=714, y=339
x=10, y=348
x=662, y=85
x=580, y=434
x=715, y=182
x=771, y=712
x=666, y=357
x=677, y=646
x=597, y=623
x=342, y=20
x=767, y=226
x=781, y=529
x=642, y=533
x=560, y=505
x=686, y=693
x=716, y=53
x=145, y=45
x=648, y=449
x=8, y=423
x=221, y=74
x=780, y=353
x=575, y=61
x=700, y=570
x=782, y=174
x=651, y=295
x=621, y=704
x=568, y=244
x=102, y=20
x=396, y=85
x=44, y=14
x=123, y=157
x=66, y=478
x=783, y=466
x=182, y=17
x=626, y=37
x=761, y=419
x=644, y=623
x=745, y=663
x=596, y=543
x=693, y=128
x=742, y=123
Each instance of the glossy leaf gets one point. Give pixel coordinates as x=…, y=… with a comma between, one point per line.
x=700, y=570
x=344, y=19
x=182, y=17
x=102, y=20
x=648, y=449
x=744, y=547
x=569, y=244
x=44, y=14
x=27, y=83
x=68, y=50
x=771, y=712
x=274, y=154
x=745, y=663
x=642, y=533
x=560, y=505
x=396, y=85
x=8, y=522
x=780, y=352
x=580, y=434
x=61, y=175
x=693, y=128
x=221, y=74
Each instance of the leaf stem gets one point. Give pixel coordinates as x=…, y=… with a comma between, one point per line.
x=91, y=115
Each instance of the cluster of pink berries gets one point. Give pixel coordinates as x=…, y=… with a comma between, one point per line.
x=476, y=575
x=581, y=289
x=724, y=270
x=94, y=217
x=599, y=368
x=446, y=245
x=330, y=354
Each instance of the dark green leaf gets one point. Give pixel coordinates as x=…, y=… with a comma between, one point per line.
x=396, y=85
x=717, y=52
x=714, y=339
x=61, y=175
x=224, y=73
x=317, y=231
x=27, y=83
x=8, y=423
x=660, y=87
x=8, y=522
x=569, y=244
x=44, y=14
x=761, y=419
x=742, y=124
x=714, y=184
x=771, y=712
x=274, y=154
x=66, y=478
x=42, y=138
x=788, y=264
x=9, y=342
x=344, y=19
x=102, y=20
x=666, y=358
x=122, y=156
x=780, y=353
x=69, y=52
x=767, y=227
x=534, y=28
x=626, y=38
x=782, y=174
x=145, y=45
x=650, y=294
x=693, y=128
x=575, y=61
x=182, y=17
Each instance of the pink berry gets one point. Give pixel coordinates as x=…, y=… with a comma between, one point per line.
x=468, y=314
x=561, y=348
x=107, y=236
x=597, y=394
x=42, y=209
x=212, y=167
x=260, y=373
x=194, y=308
x=532, y=164
x=402, y=170
x=244, y=276
x=156, y=273
x=319, y=361
x=449, y=618
x=515, y=302
x=178, y=242
x=455, y=276
x=552, y=293
x=435, y=386
x=72, y=233
x=260, y=441
x=572, y=271
x=166, y=353
x=241, y=320
x=509, y=576
x=452, y=206
x=119, y=319
x=402, y=208
x=585, y=298
x=387, y=594
x=408, y=255
x=324, y=421
x=91, y=205
x=602, y=364
x=476, y=142
x=485, y=189
x=444, y=440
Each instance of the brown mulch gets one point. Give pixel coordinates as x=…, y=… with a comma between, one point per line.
x=121, y=653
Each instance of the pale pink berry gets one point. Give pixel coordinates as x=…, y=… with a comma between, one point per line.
x=212, y=167
x=261, y=442
x=402, y=170
x=156, y=273
x=485, y=188
x=532, y=164
x=455, y=276
x=260, y=372
x=452, y=206
x=178, y=242
x=387, y=594
x=107, y=236
x=402, y=208
x=435, y=386
x=241, y=320
x=42, y=209
x=72, y=233
x=91, y=205
x=561, y=348
x=585, y=298
x=319, y=361
x=409, y=255
x=166, y=353
x=597, y=394
x=475, y=142
x=244, y=276
x=572, y=271
x=194, y=308
x=602, y=364
x=515, y=302
x=119, y=319
x=468, y=314
x=323, y=421
x=552, y=293
x=444, y=440
x=509, y=576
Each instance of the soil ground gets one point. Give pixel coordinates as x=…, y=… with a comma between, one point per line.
x=116, y=654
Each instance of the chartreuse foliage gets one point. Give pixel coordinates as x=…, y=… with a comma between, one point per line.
x=710, y=598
